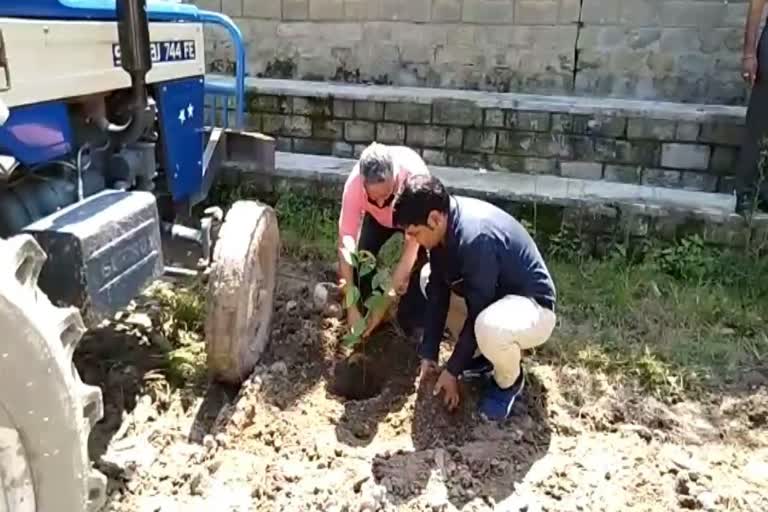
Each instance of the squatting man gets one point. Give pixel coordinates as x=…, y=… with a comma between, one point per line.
x=485, y=271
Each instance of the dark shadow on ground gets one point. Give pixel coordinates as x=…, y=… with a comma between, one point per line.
x=473, y=458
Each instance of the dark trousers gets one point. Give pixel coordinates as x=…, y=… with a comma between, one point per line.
x=757, y=124
x=412, y=304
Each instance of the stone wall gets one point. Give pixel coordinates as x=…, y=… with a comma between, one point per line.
x=682, y=50
x=669, y=145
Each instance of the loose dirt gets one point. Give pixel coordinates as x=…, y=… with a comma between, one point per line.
x=286, y=440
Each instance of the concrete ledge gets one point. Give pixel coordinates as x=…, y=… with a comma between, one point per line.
x=529, y=188
x=700, y=113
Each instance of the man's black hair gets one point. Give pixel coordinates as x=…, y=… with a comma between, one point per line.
x=418, y=196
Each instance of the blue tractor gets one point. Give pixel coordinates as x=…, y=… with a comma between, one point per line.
x=104, y=155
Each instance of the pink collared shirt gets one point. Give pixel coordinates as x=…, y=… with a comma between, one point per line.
x=354, y=201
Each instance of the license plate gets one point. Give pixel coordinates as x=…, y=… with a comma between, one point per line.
x=164, y=51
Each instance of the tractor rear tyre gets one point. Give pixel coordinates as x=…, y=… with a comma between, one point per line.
x=46, y=412
x=241, y=288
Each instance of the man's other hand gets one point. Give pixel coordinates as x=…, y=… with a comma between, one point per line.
x=449, y=385
x=749, y=68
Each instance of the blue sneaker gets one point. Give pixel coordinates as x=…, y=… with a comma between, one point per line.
x=479, y=368
x=497, y=403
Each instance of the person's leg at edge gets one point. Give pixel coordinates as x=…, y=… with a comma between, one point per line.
x=503, y=330
x=756, y=130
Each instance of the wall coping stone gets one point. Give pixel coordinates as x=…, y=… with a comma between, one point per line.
x=543, y=189
x=690, y=112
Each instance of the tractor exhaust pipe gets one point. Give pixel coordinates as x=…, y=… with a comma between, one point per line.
x=133, y=33
x=136, y=60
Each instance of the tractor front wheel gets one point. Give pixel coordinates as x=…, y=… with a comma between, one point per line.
x=241, y=287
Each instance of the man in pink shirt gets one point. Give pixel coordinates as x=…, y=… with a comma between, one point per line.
x=366, y=216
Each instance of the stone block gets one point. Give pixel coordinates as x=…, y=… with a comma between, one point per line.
x=479, y=141
x=570, y=11
x=326, y=10
x=724, y=159
x=253, y=122
x=685, y=156
x=232, y=8
x=540, y=145
x=328, y=129
x=390, y=133
x=446, y=11
x=624, y=152
x=528, y=121
x=457, y=113
x=313, y=146
x=699, y=181
x=313, y=107
x=434, y=157
x=722, y=133
x=661, y=178
x=472, y=161
x=582, y=170
x=343, y=109
x=426, y=136
x=272, y=104
x=536, y=12
x=295, y=10
x=600, y=12
x=687, y=132
x=579, y=124
x=359, y=131
x=687, y=13
x=268, y=9
x=488, y=11
x=455, y=138
x=370, y=110
x=408, y=112
x=343, y=149
x=494, y=118
x=284, y=144
x=640, y=13
x=358, y=149
x=654, y=129
x=622, y=173
x=528, y=165
x=291, y=126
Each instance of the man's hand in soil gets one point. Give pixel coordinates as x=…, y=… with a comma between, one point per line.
x=450, y=387
x=428, y=368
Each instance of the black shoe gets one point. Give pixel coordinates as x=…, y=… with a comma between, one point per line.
x=479, y=368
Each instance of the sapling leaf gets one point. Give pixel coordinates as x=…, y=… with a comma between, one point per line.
x=359, y=326
x=350, y=340
x=376, y=302
x=382, y=279
x=366, y=267
x=352, y=296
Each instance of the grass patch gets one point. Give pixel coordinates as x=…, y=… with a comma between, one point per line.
x=181, y=314
x=674, y=318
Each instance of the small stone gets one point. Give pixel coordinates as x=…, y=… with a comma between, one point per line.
x=209, y=442
x=139, y=320
x=708, y=500
x=333, y=311
x=279, y=368
x=324, y=294
x=221, y=439
x=291, y=305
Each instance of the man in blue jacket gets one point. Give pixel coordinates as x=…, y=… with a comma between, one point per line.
x=485, y=267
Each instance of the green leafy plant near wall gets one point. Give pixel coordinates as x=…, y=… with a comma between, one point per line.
x=364, y=263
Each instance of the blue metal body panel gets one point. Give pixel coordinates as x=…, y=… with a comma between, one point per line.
x=157, y=10
x=37, y=133
x=180, y=105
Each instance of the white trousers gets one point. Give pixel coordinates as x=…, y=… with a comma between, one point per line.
x=503, y=330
